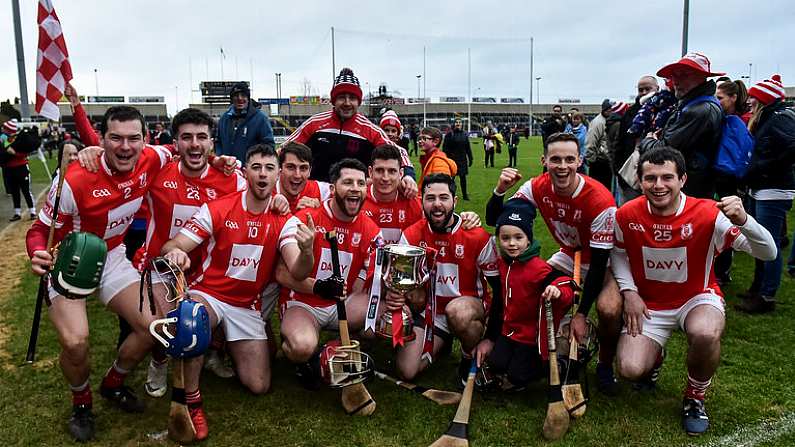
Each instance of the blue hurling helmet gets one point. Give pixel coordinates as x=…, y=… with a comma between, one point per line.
x=192, y=330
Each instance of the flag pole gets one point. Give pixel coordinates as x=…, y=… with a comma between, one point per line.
x=23, y=84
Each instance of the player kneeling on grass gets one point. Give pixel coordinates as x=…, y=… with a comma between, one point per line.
x=309, y=305
x=465, y=260
x=665, y=246
x=511, y=348
x=240, y=236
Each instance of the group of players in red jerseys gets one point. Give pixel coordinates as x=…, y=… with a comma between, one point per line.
x=253, y=239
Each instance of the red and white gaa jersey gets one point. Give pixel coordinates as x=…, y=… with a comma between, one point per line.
x=354, y=242
x=104, y=202
x=174, y=198
x=313, y=189
x=670, y=257
x=582, y=221
x=392, y=217
x=239, y=249
x=464, y=259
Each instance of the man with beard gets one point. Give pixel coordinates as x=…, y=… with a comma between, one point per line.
x=465, y=261
x=294, y=184
x=579, y=212
x=384, y=205
x=239, y=238
x=456, y=146
x=343, y=132
x=308, y=306
x=243, y=125
x=665, y=246
x=694, y=128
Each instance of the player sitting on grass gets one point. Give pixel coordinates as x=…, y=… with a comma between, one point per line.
x=511, y=347
x=666, y=243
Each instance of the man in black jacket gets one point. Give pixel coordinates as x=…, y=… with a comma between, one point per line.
x=694, y=129
x=552, y=124
x=456, y=146
x=622, y=146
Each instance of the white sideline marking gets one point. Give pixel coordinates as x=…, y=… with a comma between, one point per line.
x=764, y=431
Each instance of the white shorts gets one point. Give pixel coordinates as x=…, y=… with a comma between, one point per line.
x=326, y=317
x=563, y=262
x=117, y=276
x=663, y=322
x=239, y=323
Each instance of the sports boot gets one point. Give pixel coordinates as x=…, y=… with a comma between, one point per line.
x=649, y=383
x=606, y=381
x=156, y=379
x=213, y=362
x=756, y=304
x=123, y=397
x=694, y=418
x=81, y=423
x=199, y=422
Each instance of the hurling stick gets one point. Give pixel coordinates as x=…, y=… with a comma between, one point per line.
x=180, y=426
x=43, y=293
x=556, y=423
x=356, y=400
x=439, y=396
x=456, y=434
x=572, y=389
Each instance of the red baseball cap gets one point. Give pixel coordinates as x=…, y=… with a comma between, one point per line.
x=691, y=61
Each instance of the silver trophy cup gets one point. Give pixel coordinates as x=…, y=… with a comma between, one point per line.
x=403, y=270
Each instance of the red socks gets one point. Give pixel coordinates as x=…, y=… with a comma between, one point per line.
x=696, y=389
x=193, y=399
x=115, y=376
x=81, y=394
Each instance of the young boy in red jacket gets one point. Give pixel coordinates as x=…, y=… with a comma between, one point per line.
x=515, y=343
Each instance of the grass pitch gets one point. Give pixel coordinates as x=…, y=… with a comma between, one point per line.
x=751, y=402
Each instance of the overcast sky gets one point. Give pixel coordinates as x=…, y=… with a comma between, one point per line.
x=583, y=49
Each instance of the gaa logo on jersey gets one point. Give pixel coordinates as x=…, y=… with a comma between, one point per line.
x=547, y=201
x=142, y=179
x=459, y=251
x=401, y=215
x=687, y=231
x=99, y=193
x=357, y=237
x=211, y=194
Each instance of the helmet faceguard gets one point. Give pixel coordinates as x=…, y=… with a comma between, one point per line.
x=341, y=366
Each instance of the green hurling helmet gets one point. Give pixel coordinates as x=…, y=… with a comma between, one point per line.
x=79, y=265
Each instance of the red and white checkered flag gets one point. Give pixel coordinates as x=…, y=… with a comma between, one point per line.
x=53, y=70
